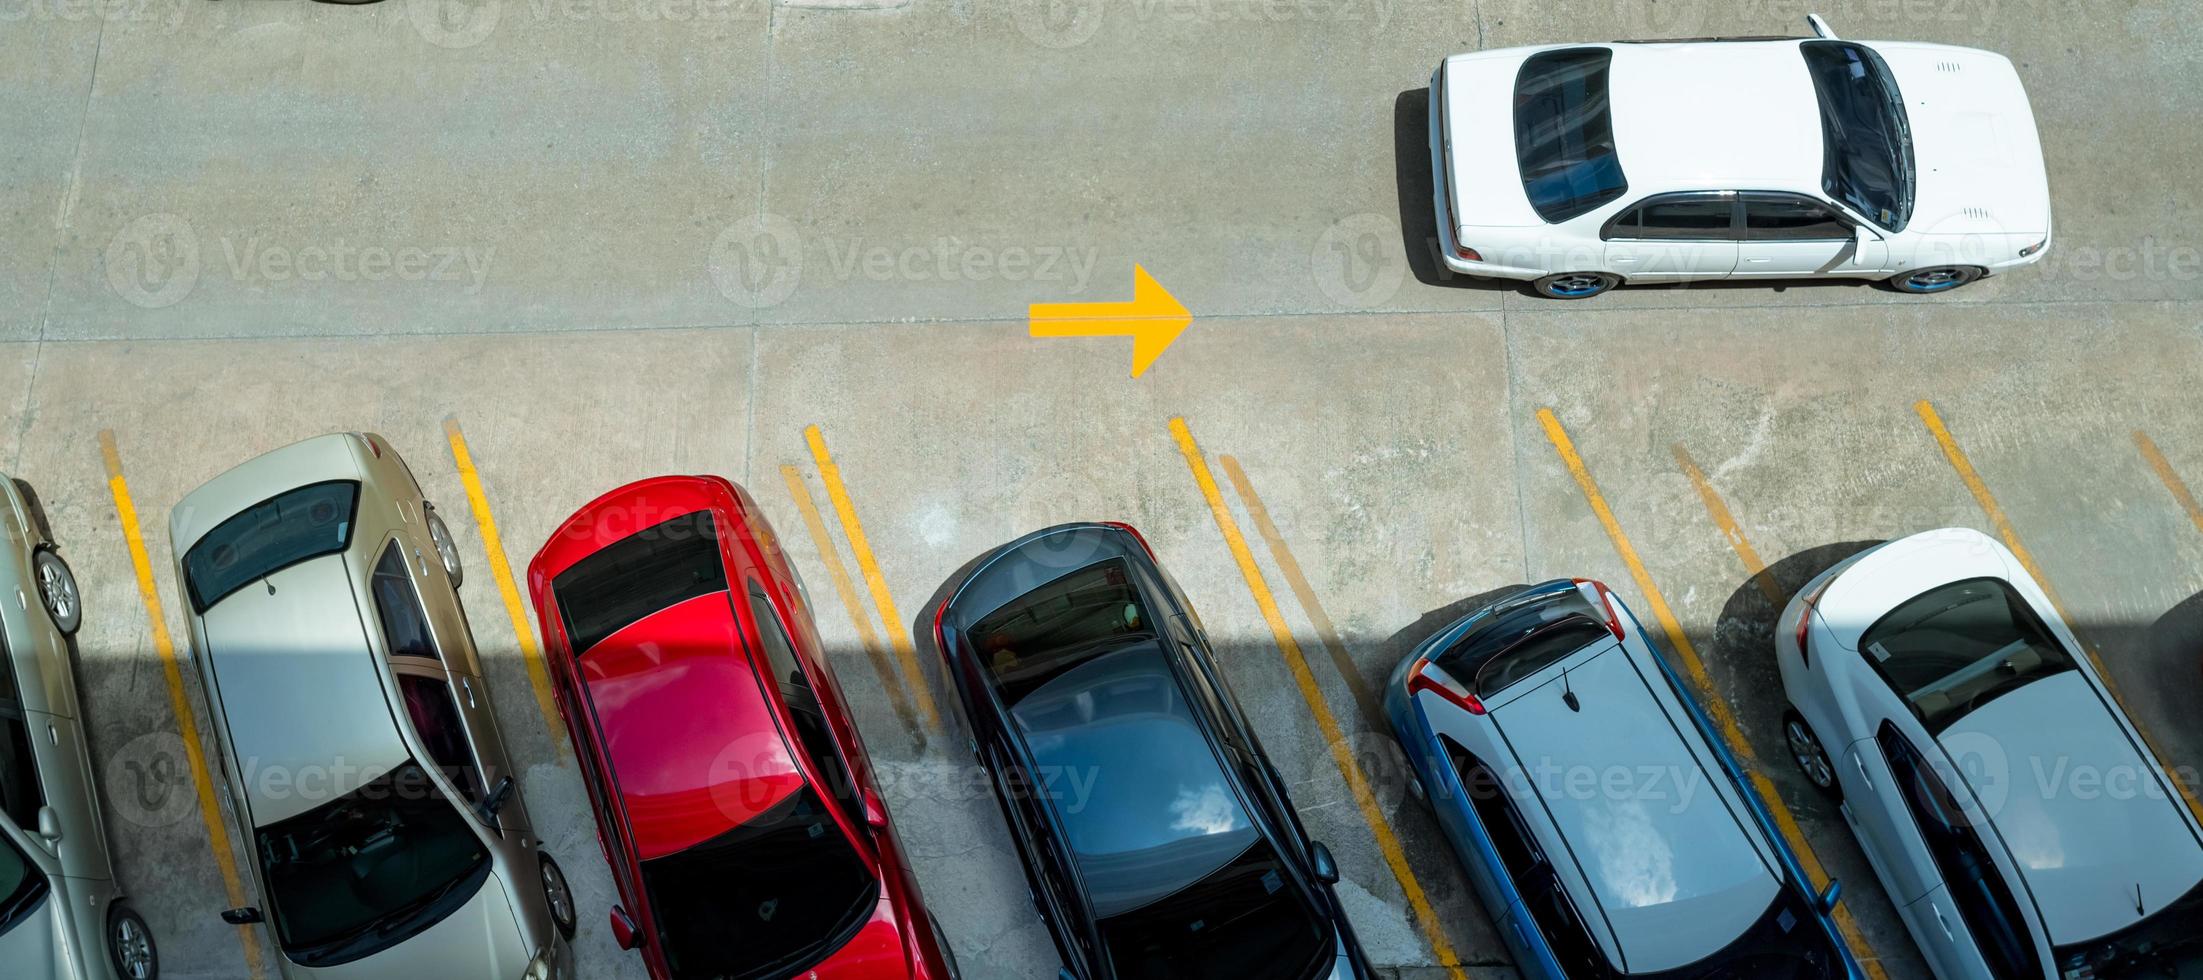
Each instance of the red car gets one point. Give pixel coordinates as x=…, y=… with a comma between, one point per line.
x=733, y=798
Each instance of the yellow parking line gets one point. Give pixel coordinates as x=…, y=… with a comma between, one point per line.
x=531, y=653
x=853, y=529
x=1722, y=519
x=2171, y=479
x=1717, y=707
x=839, y=574
x=1290, y=569
x=1341, y=753
x=187, y=721
x=1959, y=462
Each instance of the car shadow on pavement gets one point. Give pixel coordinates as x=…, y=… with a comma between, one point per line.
x=1418, y=214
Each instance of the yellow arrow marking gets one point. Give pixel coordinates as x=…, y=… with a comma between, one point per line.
x=1153, y=319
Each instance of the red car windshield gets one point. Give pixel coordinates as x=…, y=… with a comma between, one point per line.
x=766, y=899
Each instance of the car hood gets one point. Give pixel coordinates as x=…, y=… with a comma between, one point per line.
x=2084, y=814
x=479, y=939
x=33, y=944
x=1973, y=142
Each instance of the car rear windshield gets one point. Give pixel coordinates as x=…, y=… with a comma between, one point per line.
x=1246, y=919
x=268, y=537
x=2168, y=944
x=1564, y=133
x=1866, y=140
x=1958, y=647
x=1053, y=628
x=766, y=899
x=402, y=852
x=656, y=567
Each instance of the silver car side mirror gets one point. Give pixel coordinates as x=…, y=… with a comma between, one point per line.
x=49, y=825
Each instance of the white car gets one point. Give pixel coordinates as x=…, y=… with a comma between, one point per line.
x=1743, y=158
x=2021, y=825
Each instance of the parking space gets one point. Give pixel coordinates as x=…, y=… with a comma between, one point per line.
x=791, y=243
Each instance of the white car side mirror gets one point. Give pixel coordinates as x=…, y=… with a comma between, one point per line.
x=1820, y=27
x=1861, y=234
x=49, y=825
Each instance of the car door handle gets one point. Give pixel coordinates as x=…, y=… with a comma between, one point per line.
x=1864, y=777
x=1763, y=261
x=53, y=735
x=467, y=686
x=1945, y=923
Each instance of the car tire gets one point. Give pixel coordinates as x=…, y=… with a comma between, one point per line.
x=57, y=590
x=447, y=549
x=1810, y=756
x=1575, y=285
x=556, y=895
x=130, y=945
x=1937, y=279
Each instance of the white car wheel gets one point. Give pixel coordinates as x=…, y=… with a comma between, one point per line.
x=131, y=945
x=57, y=591
x=1806, y=751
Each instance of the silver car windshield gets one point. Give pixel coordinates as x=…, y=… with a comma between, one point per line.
x=268, y=537
x=22, y=887
x=367, y=870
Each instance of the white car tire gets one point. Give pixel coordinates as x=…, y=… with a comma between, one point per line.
x=57, y=590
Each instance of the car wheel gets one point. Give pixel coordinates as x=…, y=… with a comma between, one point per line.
x=1812, y=759
x=556, y=895
x=130, y=944
x=447, y=550
x=57, y=591
x=1575, y=285
x=1941, y=279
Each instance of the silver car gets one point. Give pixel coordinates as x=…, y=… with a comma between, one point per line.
x=2015, y=815
x=359, y=755
x=61, y=909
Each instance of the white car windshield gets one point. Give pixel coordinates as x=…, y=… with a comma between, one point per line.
x=1867, y=141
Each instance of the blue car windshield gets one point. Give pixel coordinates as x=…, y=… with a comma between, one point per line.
x=268, y=537
x=1564, y=133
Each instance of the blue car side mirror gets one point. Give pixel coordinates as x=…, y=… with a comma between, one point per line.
x=1830, y=896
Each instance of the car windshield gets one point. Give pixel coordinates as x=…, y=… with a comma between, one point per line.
x=652, y=569
x=1058, y=626
x=364, y=871
x=1787, y=943
x=22, y=887
x=1960, y=646
x=2166, y=945
x=1247, y=918
x=768, y=898
x=1866, y=159
x=1564, y=133
x=268, y=537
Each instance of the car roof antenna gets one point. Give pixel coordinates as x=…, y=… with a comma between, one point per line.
x=1568, y=694
x=2138, y=910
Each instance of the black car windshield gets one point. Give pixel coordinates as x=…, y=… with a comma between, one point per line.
x=766, y=899
x=268, y=537
x=1058, y=626
x=2168, y=944
x=1866, y=159
x=652, y=569
x=1248, y=918
x=364, y=871
x=1564, y=133
x=1958, y=647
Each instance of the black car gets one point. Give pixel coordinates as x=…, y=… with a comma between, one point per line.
x=1155, y=833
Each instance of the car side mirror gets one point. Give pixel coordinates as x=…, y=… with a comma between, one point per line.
x=1861, y=234
x=623, y=930
x=1322, y=863
x=241, y=917
x=875, y=812
x=1830, y=896
x=1066, y=974
x=499, y=796
x=49, y=825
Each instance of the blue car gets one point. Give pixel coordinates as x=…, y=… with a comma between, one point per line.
x=1599, y=817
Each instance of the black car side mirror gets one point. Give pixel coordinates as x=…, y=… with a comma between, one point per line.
x=1322, y=863
x=499, y=796
x=241, y=917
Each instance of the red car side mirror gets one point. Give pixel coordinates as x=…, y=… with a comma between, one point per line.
x=623, y=929
x=875, y=812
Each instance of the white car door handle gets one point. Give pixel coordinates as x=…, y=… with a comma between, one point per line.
x=1759, y=261
x=1945, y=923
x=467, y=686
x=1864, y=776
